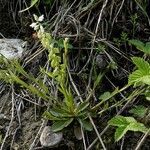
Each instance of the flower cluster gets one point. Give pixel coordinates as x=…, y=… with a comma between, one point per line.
x=37, y=25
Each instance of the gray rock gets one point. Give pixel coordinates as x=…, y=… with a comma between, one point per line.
x=101, y=61
x=50, y=139
x=12, y=48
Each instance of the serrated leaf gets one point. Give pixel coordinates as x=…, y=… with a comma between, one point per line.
x=136, y=126
x=130, y=120
x=142, y=65
x=137, y=77
x=139, y=111
x=146, y=79
x=59, y=125
x=125, y=124
x=120, y=132
x=118, y=121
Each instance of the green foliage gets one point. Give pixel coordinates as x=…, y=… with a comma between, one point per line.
x=105, y=97
x=139, y=111
x=64, y=112
x=142, y=74
x=63, y=115
x=33, y=2
x=13, y=72
x=125, y=124
x=144, y=47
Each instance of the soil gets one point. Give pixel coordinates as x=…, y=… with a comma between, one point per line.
x=24, y=126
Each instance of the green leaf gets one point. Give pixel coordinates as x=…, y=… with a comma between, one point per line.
x=146, y=79
x=59, y=125
x=118, y=121
x=86, y=124
x=137, y=78
x=147, y=48
x=61, y=113
x=105, y=95
x=138, y=44
x=82, y=106
x=98, y=80
x=16, y=79
x=125, y=124
x=49, y=116
x=37, y=92
x=142, y=65
x=130, y=120
x=135, y=126
x=33, y=2
x=139, y=111
x=141, y=46
x=120, y=132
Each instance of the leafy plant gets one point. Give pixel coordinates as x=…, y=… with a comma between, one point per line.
x=125, y=124
x=63, y=116
x=12, y=72
x=64, y=112
x=142, y=74
x=139, y=78
x=144, y=47
x=139, y=111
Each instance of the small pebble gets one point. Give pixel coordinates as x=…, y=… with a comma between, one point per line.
x=49, y=138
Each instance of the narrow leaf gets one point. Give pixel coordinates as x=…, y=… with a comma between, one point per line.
x=120, y=132
x=86, y=124
x=138, y=44
x=33, y=2
x=59, y=125
x=82, y=106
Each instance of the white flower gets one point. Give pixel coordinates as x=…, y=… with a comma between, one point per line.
x=41, y=18
x=33, y=25
x=36, y=27
x=35, y=17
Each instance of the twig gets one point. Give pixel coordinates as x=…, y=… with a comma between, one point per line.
x=96, y=31
x=33, y=143
x=83, y=137
x=78, y=93
x=132, y=98
x=116, y=16
x=99, y=137
x=142, y=140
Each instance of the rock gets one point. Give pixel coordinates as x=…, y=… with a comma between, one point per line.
x=12, y=48
x=78, y=133
x=101, y=61
x=49, y=138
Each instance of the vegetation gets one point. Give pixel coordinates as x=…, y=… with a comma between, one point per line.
x=86, y=72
